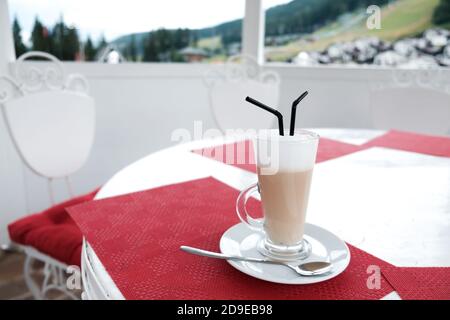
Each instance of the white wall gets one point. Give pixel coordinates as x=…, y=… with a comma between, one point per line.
x=139, y=105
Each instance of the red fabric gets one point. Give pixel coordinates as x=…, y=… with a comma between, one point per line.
x=241, y=154
x=419, y=283
x=414, y=142
x=52, y=231
x=330, y=149
x=137, y=237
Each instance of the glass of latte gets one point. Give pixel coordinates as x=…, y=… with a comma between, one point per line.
x=284, y=166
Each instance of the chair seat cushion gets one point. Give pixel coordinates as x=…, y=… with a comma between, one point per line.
x=52, y=231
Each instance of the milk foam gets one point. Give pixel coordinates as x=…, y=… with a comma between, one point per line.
x=286, y=153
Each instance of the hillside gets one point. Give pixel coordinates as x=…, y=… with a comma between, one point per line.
x=400, y=19
x=295, y=17
x=302, y=25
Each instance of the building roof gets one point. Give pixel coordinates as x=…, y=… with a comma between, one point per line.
x=194, y=51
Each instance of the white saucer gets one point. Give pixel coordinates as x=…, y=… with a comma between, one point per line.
x=240, y=240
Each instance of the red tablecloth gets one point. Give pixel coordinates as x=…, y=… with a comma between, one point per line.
x=240, y=154
x=414, y=142
x=137, y=236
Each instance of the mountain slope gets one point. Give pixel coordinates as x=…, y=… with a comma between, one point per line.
x=322, y=22
x=401, y=18
x=297, y=16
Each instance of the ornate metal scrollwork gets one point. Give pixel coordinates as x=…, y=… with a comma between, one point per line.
x=241, y=68
x=269, y=77
x=9, y=89
x=77, y=83
x=431, y=77
x=47, y=73
x=33, y=77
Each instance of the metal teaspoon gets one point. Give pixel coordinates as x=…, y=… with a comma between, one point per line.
x=313, y=268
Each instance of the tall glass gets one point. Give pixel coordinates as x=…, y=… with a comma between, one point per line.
x=284, y=166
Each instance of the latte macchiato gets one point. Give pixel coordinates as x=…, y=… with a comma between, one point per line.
x=284, y=200
x=285, y=166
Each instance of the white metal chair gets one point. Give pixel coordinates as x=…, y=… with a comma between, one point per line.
x=227, y=90
x=414, y=100
x=51, y=120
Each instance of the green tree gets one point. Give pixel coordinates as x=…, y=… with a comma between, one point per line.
x=40, y=37
x=441, y=14
x=89, y=50
x=102, y=43
x=132, y=49
x=71, y=49
x=151, y=48
x=175, y=56
x=178, y=38
x=58, y=39
x=164, y=44
x=194, y=40
x=65, y=41
x=164, y=40
x=18, y=43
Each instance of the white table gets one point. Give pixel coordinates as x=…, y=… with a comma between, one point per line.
x=392, y=204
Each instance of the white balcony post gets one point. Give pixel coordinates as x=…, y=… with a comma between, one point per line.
x=7, y=52
x=253, y=30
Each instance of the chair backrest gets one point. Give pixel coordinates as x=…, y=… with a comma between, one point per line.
x=418, y=110
x=227, y=91
x=416, y=100
x=49, y=115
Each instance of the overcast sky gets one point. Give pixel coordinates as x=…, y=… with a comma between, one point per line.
x=114, y=18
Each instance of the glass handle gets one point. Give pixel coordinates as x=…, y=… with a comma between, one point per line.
x=241, y=208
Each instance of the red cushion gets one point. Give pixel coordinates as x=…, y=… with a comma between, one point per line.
x=52, y=231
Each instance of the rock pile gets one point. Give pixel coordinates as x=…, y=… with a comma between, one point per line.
x=431, y=49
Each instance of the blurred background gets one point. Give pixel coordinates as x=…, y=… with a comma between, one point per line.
x=306, y=32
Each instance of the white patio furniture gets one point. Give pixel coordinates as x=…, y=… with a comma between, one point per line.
x=423, y=102
x=51, y=120
x=227, y=90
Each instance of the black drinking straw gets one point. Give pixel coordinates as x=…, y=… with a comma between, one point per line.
x=271, y=110
x=294, y=111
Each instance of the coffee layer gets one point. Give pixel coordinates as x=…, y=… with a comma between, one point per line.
x=284, y=198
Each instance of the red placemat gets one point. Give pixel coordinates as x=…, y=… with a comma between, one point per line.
x=330, y=149
x=414, y=142
x=240, y=154
x=419, y=283
x=137, y=238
